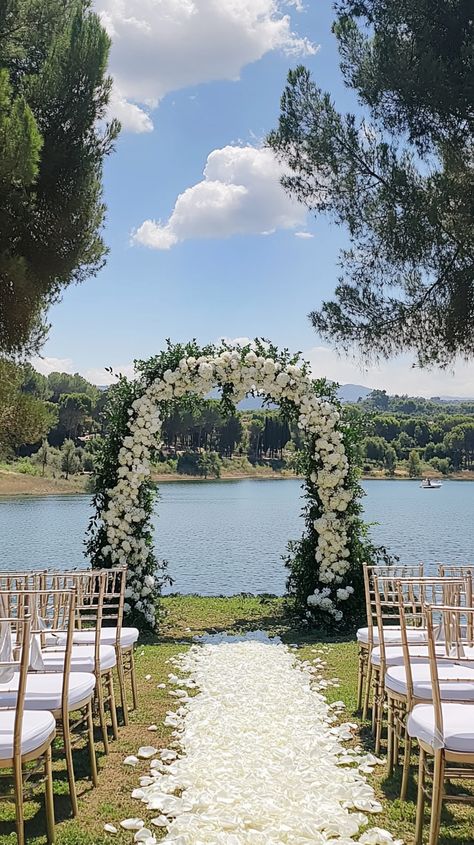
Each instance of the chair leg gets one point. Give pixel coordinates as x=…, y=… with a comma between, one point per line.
x=112, y=706
x=90, y=739
x=123, y=691
x=379, y=714
x=48, y=797
x=18, y=783
x=420, y=801
x=100, y=707
x=390, y=731
x=133, y=679
x=360, y=677
x=368, y=684
x=70, y=766
x=437, y=799
x=396, y=749
x=406, y=768
x=375, y=681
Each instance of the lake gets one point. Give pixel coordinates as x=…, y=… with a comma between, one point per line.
x=226, y=537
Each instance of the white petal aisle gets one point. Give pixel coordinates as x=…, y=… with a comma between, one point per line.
x=261, y=760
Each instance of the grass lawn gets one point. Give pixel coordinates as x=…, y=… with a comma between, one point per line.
x=186, y=617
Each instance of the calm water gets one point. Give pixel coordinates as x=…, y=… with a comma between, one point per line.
x=227, y=537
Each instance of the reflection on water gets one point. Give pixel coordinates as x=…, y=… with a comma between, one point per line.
x=228, y=537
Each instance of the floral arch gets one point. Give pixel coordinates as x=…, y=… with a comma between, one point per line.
x=325, y=564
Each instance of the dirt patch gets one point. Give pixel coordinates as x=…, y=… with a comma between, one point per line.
x=18, y=484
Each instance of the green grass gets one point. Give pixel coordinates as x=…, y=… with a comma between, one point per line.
x=186, y=617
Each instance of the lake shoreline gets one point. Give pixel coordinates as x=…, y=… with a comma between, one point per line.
x=19, y=484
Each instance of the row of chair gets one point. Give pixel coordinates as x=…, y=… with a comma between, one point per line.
x=416, y=657
x=62, y=640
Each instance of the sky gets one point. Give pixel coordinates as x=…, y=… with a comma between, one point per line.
x=203, y=240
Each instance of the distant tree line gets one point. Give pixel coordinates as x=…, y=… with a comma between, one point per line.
x=444, y=440
x=48, y=423
x=53, y=424
x=196, y=425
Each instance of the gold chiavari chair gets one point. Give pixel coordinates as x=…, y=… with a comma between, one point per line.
x=25, y=737
x=367, y=637
x=67, y=695
x=445, y=729
x=409, y=683
x=389, y=651
x=113, y=632
x=90, y=592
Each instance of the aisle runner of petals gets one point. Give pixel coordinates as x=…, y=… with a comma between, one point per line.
x=259, y=759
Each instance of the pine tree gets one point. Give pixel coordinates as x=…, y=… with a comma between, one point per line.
x=400, y=181
x=53, y=97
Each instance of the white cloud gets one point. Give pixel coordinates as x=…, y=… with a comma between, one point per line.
x=235, y=341
x=96, y=375
x=240, y=194
x=160, y=46
x=47, y=365
x=132, y=117
x=306, y=236
x=394, y=376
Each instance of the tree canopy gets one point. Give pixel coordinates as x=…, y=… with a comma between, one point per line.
x=53, y=138
x=401, y=180
x=23, y=417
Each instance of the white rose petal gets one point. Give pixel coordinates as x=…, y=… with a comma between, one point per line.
x=146, y=751
x=132, y=824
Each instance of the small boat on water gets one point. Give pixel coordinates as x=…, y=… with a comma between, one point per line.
x=431, y=484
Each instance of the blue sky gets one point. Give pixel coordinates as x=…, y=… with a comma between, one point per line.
x=202, y=267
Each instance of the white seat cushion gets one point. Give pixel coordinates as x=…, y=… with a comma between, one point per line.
x=414, y=635
x=394, y=655
x=418, y=654
x=395, y=680
x=44, y=690
x=82, y=658
x=108, y=636
x=35, y=730
x=458, y=726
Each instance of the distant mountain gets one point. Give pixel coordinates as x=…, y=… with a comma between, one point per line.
x=353, y=392
x=254, y=403
x=346, y=393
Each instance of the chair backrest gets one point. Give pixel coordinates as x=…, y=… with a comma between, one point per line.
x=21, y=665
x=395, y=571
x=413, y=616
x=60, y=606
x=455, y=571
x=114, y=584
x=16, y=582
x=400, y=598
x=89, y=586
